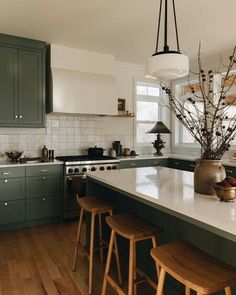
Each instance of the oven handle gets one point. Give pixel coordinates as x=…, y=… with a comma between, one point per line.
x=74, y=176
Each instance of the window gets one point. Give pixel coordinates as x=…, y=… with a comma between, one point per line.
x=147, y=111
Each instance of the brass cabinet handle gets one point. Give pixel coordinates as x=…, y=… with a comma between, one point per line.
x=5, y=180
x=229, y=171
x=6, y=173
x=155, y=162
x=44, y=199
x=20, y=117
x=176, y=163
x=43, y=177
x=191, y=165
x=133, y=164
x=44, y=170
x=16, y=116
x=5, y=204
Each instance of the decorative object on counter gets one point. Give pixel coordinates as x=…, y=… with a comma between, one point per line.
x=158, y=144
x=133, y=153
x=208, y=122
x=121, y=109
x=51, y=155
x=23, y=160
x=168, y=64
x=126, y=152
x=112, y=153
x=116, y=145
x=226, y=189
x=95, y=151
x=14, y=156
x=44, y=154
x=1, y=158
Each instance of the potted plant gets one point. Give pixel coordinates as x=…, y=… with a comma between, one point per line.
x=205, y=115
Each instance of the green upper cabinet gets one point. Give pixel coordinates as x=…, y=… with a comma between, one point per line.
x=22, y=82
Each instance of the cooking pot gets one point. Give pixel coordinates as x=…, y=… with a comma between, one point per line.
x=95, y=151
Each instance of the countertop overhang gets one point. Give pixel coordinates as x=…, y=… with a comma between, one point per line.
x=172, y=191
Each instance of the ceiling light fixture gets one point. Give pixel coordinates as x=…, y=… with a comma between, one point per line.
x=168, y=64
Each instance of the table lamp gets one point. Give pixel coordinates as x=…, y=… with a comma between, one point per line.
x=158, y=144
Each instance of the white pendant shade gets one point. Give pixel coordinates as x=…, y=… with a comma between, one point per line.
x=168, y=66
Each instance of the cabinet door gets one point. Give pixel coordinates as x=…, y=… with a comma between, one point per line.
x=8, y=86
x=132, y=164
x=42, y=208
x=31, y=92
x=12, y=189
x=157, y=162
x=230, y=171
x=12, y=212
x=43, y=186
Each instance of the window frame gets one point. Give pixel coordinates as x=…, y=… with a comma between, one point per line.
x=161, y=113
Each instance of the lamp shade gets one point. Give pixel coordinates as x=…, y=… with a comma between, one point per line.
x=168, y=66
x=159, y=127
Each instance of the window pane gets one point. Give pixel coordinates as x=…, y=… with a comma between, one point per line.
x=147, y=111
x=153, y=91
x=142, y=135
x=141, y=90
x=187, y=137
x=231, y=111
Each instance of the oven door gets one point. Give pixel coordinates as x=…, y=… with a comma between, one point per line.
x=74, y=186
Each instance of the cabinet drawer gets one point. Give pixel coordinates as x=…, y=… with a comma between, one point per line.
x=230, y=171
x=132, y=164
x=42, y=208
x=157, y=162
x=12, y=189
x=10, y=172
x=42, y=170
x=43, y=186
x=182, y=164
x=12, y=212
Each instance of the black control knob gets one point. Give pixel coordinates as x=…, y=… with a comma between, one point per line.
x=70, y=170
x=114, y=167
x=108, y=167
x=102, y=168
x=84, y=169
x=93, y=169
x=76, y=170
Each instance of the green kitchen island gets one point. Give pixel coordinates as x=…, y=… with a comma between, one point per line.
x=165, y=197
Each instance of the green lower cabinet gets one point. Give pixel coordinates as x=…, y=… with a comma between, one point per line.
x=12, y=212
x=43, y=207
x=12, y=189
x=132, y=164
x=157, y=162
x=230, y=171
x=182, y=164
x=38, y=186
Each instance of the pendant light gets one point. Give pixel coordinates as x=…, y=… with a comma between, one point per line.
x=168, y=64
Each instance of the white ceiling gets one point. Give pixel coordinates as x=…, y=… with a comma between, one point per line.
x=124, y=28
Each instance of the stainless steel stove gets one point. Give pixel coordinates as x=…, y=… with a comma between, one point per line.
x=75, y=168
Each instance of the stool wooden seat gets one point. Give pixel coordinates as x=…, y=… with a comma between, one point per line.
x=193, y=268
x=133, y=229
x=94, y=206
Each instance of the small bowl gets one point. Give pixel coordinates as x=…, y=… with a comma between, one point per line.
x=14, y=155
x=225, y=193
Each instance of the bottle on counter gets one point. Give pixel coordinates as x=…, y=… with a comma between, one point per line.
x=44, y=154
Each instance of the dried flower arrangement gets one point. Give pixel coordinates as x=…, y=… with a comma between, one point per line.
x=206, y=121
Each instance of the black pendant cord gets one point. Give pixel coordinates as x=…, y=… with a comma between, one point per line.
x=166, y=47
x=176, y=29
x=159, y=24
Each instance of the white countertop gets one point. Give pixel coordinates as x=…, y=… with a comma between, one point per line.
x=172, y=191
x=30, y=163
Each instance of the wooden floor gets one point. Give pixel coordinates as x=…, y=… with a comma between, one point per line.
x=38, y=261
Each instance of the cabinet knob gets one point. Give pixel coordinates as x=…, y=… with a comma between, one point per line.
x=191, y=165
x=43, y=177
x=5, y=204
x=44, y=199
x=20, y=117
x=5, y=180
x=16, y=116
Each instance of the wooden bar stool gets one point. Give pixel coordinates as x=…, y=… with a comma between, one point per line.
x=194, y=268
x=133, y=229
x=98, y=207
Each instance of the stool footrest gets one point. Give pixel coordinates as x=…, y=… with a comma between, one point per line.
x=115, y=285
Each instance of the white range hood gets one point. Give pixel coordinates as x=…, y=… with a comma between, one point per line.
x=83, y=82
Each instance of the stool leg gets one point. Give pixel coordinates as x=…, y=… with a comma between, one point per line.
x=117, y=260
x=104, y=285
x=187, y=290
x=228, y=291
x=161, y=282
x=91, y=252
x=135, y=273
x=131, y=267
x=100, y=236
x=117, y=255
x=154, y=245
x=78, y=238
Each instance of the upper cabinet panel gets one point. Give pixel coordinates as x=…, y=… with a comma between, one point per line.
x=22, y=82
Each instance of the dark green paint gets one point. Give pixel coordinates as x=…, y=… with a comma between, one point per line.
x=12, y=189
